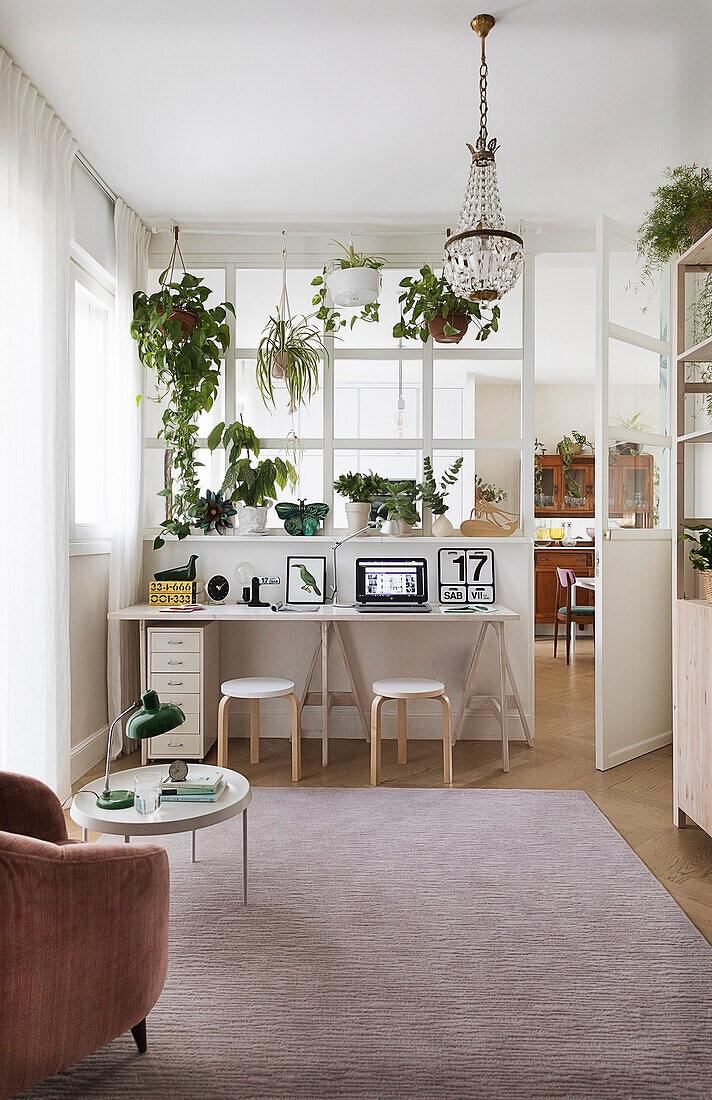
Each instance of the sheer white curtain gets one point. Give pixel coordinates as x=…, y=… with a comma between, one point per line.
x=125, y=464
x=36, y=154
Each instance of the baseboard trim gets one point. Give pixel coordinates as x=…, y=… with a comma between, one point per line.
x=641, y=748
x=88, y=753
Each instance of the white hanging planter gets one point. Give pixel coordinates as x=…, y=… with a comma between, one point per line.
x=354, y=287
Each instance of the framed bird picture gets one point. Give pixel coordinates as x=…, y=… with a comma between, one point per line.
x=306, y=579
x=302, y=518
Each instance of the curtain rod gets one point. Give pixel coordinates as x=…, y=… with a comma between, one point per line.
x=91, y=170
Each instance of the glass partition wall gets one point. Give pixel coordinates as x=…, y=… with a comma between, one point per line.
x=466, y=400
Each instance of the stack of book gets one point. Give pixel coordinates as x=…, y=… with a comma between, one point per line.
x=196, y=787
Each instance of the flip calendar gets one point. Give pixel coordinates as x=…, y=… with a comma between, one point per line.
x=466, y=575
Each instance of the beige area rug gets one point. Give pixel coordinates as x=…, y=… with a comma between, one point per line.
x=419, y=943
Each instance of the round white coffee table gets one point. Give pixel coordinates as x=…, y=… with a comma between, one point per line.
x=170, y=817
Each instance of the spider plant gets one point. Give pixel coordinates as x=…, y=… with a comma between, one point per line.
x=290, y=347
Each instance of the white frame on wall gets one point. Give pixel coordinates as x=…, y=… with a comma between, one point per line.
x=424, y=444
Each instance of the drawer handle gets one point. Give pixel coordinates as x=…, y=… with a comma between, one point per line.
x=175, y=683
x=174, y=662
x=172, y=641
x=175, y=744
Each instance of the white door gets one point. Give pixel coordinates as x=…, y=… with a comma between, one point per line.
x=634, y=381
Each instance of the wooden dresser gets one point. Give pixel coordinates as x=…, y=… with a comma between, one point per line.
x=582, y=559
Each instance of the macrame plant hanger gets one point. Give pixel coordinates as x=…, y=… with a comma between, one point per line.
x=280, y=361
x=175, y=254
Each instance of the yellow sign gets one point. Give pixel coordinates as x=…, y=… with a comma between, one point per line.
x=171, y=593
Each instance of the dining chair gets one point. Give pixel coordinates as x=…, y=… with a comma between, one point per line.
x=572, y=614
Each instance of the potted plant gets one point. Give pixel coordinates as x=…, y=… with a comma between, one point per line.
x=430, y=307
x=183, y=342
x=539, y=451
x=487, y=519
x=290, y=349
x=253, y=488
x=353, y=280
x=359, y=491
x=630, y=424
x=681, y=213
x=701, y=554
x=571, y=447
x=433, y=496
x=398, y=503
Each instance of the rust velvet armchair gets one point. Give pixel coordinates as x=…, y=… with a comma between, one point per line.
x=83, y=937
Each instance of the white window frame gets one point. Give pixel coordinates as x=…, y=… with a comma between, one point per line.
x=88, y=538
x=426, y=443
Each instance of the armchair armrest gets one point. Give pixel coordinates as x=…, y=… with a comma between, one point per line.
x=84, y=943
x=30, y=808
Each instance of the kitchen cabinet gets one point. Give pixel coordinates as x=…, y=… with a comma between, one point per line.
x=546, y=560
x=631, y=489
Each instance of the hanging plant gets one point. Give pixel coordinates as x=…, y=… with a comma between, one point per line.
x=353, y=281
x=430, y=307
x=681, y=213
x=289, y=351
x=182, y=341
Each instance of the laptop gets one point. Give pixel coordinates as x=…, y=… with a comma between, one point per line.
x=392, y=584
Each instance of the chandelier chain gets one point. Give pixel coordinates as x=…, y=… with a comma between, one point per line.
x=482, y=139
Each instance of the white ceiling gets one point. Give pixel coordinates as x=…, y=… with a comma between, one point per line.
x=311, y=111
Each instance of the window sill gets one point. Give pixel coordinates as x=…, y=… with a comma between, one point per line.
x=80, y=547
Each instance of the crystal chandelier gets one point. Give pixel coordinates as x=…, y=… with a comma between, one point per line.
x=482, y=260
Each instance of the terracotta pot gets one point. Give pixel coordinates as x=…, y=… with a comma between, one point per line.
x=188, y=321
x=575, y=449
x=460, y=321
x=280, y=362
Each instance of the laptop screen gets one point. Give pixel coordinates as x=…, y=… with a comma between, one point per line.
x=391, y=580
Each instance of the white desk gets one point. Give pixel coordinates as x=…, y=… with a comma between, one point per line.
x=330, y=618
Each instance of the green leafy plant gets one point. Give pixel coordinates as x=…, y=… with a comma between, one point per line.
x=184, y=350
x=701, y=552
x=329, y=314
x=569, y=448
x=291, y=347
x=433, y=495
x=398, y=501
x=539, y=450
x=359, y=488
x=252, y=485
x=681, y=213
x=489, y=492
x=431, y=296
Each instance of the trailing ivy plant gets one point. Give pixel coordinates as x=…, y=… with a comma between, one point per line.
x=186, y=362
x=566, y=447
x=252, y=485
x=681, y=213
x=539, y=450
x=431, y=296
x=329, y=315
x=433, y=495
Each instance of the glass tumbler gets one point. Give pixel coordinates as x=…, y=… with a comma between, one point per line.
x=147, y=793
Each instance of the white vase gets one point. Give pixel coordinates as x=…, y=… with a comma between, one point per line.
x=441, y=527
x=357, y=514
x=251, y=521
x=354, y=286
x=397, y=527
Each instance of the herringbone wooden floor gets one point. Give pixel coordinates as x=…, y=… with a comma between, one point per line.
x=635, y=797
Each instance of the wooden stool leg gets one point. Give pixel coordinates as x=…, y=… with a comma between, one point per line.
x=402, y=731
x=447, y=739
x=222, y=730
x=376, y=706
x=254, y=731
x=504, y=713
x=296, y=740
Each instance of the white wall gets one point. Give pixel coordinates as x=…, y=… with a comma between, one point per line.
x=429, y=648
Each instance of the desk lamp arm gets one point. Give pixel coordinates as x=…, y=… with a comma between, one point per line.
x=374, y=523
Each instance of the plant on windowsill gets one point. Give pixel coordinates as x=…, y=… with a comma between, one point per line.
x=571, y=447
x=353, y=281
x=433, y=496
x=182, y=341
x=429, y=307
x=701, y=554
x=359, y=491
x=399, y=507
x=253, y=488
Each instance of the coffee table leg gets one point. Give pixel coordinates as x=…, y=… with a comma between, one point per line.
x=244, y=857
x=192, y=846
x=127, y=839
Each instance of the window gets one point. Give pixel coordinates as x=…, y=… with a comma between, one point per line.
x=91, y=318
x=457, y=400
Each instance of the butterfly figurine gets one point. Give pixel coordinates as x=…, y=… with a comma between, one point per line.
x=302, y=518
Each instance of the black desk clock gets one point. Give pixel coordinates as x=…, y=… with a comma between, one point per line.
x=217, y=588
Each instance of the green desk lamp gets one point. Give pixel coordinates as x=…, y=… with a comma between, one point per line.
x=153, y=718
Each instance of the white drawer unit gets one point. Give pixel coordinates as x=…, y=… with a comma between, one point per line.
x=183, y=667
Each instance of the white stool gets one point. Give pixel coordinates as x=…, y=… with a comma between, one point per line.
x=402, y=689
x=255, y=688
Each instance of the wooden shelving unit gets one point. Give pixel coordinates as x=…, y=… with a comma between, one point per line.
x=692, y=620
